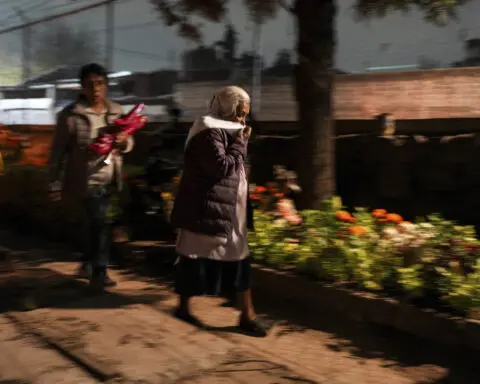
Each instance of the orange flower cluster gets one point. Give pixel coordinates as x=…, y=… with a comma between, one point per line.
x=357, y=230
x=270, y=189
x=382, y=216
x=258, y=192
x=260, y=189
x=379, y=213
x=345, y=217
x=353, y=230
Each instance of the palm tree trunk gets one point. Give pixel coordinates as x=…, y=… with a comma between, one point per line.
x=314, y=78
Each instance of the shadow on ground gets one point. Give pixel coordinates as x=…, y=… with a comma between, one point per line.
x=26, y=289
x=359, y=339
x=241, y=369
x=13, y=382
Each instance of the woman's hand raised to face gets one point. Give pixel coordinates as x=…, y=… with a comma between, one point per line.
x=246, y=132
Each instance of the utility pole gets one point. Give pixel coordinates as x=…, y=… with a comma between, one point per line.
x=26, y=44
x=25, y=52
x=257, y=66
x=110, y=34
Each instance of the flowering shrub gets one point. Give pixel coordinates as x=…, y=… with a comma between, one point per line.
x=430, y=259
x=377, y=251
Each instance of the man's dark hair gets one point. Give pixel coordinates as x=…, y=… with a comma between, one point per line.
x=92, y=69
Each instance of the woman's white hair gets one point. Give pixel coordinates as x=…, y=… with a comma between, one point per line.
x=226, y=102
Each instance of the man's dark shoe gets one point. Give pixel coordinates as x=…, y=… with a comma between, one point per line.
x=252, y=327
x=100, y=280
x=84, y=272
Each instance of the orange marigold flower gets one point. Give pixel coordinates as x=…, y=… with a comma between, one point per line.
x=394, y=218
x=260, y=189
x=379, y=213
x=254, y=196
x=345, y=216
x=357, y=230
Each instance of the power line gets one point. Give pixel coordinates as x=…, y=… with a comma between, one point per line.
x=128, y=26
x=55, y=17
x=6, y=2
x=146, y=55
x=12, y=14
x=58, y=6
x=35, y=6
x=110, y=34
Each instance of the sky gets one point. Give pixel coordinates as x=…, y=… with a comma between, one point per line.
x=143, y=43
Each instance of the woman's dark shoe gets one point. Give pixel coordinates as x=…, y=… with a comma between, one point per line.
x=252, y=327
x=188, y=318
x=84, y=272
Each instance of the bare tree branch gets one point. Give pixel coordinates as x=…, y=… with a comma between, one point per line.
x=289, y=8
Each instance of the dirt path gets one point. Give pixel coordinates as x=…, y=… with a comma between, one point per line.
x=132, y=334
x=24, y=359
x=329, y=350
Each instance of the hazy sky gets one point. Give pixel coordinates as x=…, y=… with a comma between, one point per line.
x=142, y=43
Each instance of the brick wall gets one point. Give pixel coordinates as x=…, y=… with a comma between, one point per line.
x=432, y=94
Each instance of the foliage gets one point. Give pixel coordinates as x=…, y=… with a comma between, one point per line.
x=472, y=54
x=431, y=259
x=435, y=11
x=60, y=44
x=25, y=205
x=229, y=44
x=283, y=59
x=180, y=13
x=313, y=73
x=202, y=58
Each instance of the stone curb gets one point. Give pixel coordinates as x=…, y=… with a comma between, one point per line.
x=286, y=288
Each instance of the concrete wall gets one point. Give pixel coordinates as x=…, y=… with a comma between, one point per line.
x=432, y=94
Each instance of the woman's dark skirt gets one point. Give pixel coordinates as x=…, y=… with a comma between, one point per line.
x=197, y=277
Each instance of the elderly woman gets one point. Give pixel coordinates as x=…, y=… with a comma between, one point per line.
x=210, y=210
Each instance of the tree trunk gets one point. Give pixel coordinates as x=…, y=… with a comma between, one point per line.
x=314, y=80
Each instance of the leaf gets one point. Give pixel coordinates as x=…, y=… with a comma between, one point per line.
x=435, y=11
x=180, y=13
x=262, y=10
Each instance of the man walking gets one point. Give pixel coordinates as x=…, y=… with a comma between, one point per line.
x=77, y=172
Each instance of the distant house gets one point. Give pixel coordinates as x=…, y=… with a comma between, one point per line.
x=148, y=84
x=37, y=100
x=53, y=76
